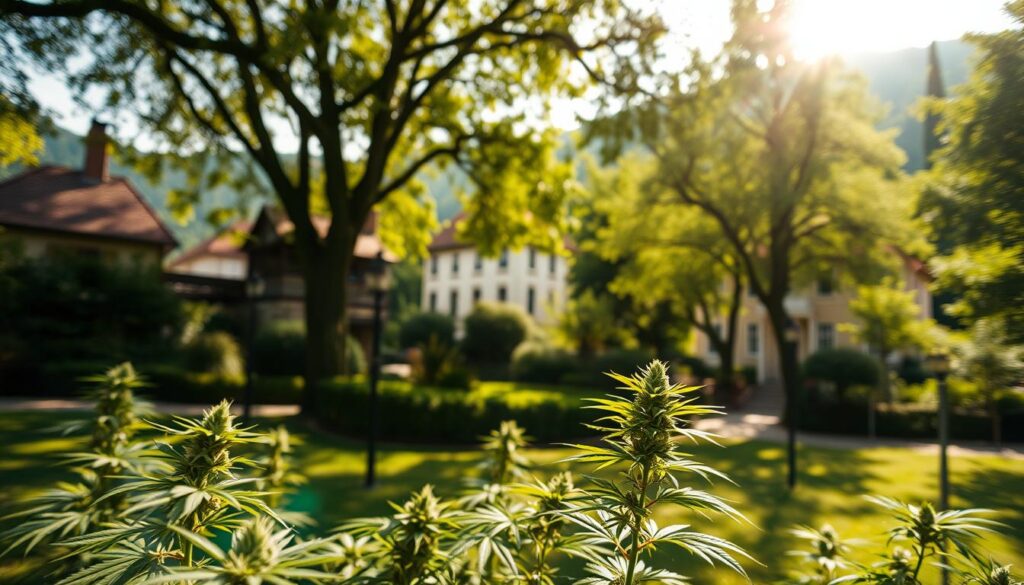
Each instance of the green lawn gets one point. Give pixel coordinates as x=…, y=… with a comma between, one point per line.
x=832, y=482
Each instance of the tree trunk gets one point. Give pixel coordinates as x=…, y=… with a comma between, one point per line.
x=725, y=379
x=788, y=359
x=326, y=302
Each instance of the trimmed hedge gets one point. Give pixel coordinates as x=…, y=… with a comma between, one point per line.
x=905, y=421
x=166, y=382
x=417, y=414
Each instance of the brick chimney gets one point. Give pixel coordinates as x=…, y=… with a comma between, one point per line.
x=96, y=165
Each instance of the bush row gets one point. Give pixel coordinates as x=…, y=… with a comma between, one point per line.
x=166, y=382
x=419, y=414
x=905, y=421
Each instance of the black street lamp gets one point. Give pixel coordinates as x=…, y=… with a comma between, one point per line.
x=792, y=336
x=378, y=281
x=938, y=364
x=254, y=287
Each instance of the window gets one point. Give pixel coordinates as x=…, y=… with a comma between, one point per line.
x=753, y=339
x=433, y=265
x=502, y=294
x=826, y=336
x=826, y=284
x=453, y=303
x=530, y=299
x=552, y=264
x=532, y=259
x=455, y=263
x=433, y=302
x=476, y=295
x=478, y=262
x=503, y=259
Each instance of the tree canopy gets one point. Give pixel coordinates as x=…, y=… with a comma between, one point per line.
x=973, y=202
x=371, y=94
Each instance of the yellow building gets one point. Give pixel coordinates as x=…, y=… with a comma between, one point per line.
x=818, y=312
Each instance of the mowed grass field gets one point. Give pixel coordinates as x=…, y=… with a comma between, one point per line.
x=832, y=483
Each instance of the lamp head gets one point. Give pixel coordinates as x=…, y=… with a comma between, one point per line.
x=938, y=364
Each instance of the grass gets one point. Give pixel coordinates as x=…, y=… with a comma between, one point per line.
x=832, y=482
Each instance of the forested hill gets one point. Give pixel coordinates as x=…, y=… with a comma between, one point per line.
x=897, y=78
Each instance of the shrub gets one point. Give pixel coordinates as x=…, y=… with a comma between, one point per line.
x=75, y=308
x=844, y=367
x=279, y=349
x=591, y=373
x=437, y=415
x=695, y=367
x=215, y=353
x=492, y=332
x=419, y=328
x=436, y=363
x=534, y=361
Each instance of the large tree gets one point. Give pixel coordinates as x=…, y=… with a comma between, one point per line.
x=372, y=94
x=782, y=155
x=975, y=200
x=670, y=255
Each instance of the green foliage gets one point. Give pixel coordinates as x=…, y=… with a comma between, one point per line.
x=946, y=538
x=70, y=307
x=379, y=94
x=435, y=363
x=73, y=509
x=889, y=319
x=418, y=328
x=640, y=436
x=989, y=360
x=443, y=415
x=537, y=361
x=280, y=350
x=844, y=367
x=972, y=202
x=215, y=353
x=492, y=332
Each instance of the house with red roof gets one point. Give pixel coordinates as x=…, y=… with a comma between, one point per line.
x=54, y=210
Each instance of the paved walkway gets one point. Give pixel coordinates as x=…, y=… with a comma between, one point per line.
x=746, y=424
x=768, y=427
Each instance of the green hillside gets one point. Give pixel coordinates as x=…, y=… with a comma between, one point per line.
x=897, y=78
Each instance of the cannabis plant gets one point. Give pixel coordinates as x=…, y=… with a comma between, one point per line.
x=825, y=554
x=411, y=547
x=274, y=466
x=921, y=535
x=200, y=494
x=641, y=434
x=260, y=552
x=74, y=508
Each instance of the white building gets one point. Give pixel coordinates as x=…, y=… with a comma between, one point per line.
x=456, y=277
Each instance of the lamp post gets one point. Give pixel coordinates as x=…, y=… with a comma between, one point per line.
x=378, y=281
x=254, y=287
x=792, y=335
x=938, y=365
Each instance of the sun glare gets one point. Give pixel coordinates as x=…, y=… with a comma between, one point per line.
x=825, y=27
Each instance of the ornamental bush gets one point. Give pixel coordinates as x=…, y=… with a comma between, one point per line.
x=844, y=367
x=419, y=328
x=492, y=332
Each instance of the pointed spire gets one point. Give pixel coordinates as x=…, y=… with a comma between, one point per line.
x=935, y=89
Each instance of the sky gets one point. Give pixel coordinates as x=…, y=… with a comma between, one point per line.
x=819, y=28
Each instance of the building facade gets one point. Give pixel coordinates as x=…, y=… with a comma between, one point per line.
x=817, y=310
x=218, y=268
x=456, y=277
x=55, y=211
